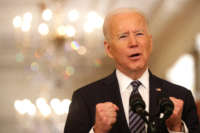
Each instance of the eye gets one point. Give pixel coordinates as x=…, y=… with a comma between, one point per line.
x=122, y=36
x=139, y=34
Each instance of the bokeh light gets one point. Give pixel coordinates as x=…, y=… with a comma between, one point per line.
x=17, y=22
x=75, y=45
x=47, y=14
x=69, y=71
x=57, y=106
x=61, y=30
x=82, y=50
x=26, y=23
x=43, y=29
x=73, y=15
x=43, y=107
x=34, y=66
x=20, y=107
x=25, y=26
x=27, y=17
x=94, y=21
x=65, y=104
x=25, y=107
x=29, y=107
x=70, y=31
x=31, y=110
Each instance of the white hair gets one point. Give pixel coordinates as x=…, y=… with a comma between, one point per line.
x=115, y=12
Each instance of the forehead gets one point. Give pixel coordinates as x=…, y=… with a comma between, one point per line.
x=127, y=21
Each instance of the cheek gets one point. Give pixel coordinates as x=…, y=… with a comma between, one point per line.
x=116, y=50
x=147, y=52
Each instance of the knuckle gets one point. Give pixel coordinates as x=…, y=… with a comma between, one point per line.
x=98, y=105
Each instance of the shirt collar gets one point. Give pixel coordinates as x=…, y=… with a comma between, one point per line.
x=124, y=81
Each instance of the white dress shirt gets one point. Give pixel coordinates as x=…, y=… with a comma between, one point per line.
x=126, y=89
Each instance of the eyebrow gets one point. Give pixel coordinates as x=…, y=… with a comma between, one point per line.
x=127, y=32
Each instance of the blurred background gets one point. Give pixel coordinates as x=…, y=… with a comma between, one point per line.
x=49, y=48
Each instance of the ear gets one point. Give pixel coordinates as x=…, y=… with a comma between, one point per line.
x=108, y=48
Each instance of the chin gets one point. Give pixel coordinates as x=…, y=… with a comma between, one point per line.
x=138, y=68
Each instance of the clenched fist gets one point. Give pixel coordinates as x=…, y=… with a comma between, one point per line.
x=174, y=121
x=106, y=116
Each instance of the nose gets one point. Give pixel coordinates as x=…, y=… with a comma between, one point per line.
x=132, y=41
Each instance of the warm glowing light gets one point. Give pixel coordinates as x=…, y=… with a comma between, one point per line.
x=25, y=106
x=27, y=17
x=17, y=22
x=70, y=31
x=75, y=45
x=40, y=101
x=29, y=107
x=31, y=110
x=73, y=15
x=25, y=26
x=99, y=22
x=65, y=104
x=43, y=107
x=43, y=29
x=20, y=107
x=54, y=102
x=47, y=14
x=57, y=106
x=69, y=70
x=93, y=21
x=61, y=30
x=82, y=50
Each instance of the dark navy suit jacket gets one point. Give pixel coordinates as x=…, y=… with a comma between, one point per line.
x=81, y=116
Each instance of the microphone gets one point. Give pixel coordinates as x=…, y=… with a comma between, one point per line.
x=137, y=104
x=166, y=107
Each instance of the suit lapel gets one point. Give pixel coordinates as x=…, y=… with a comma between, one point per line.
x=121, y=124
x=155, y=83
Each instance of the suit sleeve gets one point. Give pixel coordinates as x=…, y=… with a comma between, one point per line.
x=79, y=117
x=190, y=113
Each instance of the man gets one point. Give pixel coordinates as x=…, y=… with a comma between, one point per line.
x=103, y=106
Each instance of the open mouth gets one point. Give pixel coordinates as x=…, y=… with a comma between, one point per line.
x=135, y=55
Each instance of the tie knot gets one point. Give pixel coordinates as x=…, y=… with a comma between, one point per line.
x=135, y=84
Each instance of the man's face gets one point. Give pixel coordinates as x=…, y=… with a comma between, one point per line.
x=129, y=42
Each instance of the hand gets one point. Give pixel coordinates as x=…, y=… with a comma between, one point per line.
x=106, y=116
x=174, y=121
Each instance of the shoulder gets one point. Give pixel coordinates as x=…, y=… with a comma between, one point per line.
x=172, y=89
x=97, y=86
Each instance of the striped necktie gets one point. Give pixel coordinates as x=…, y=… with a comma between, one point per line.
x=136, y=123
